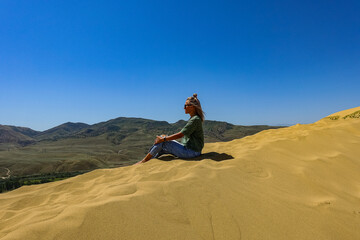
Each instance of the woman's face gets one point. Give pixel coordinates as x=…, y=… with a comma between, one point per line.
x=188, y=107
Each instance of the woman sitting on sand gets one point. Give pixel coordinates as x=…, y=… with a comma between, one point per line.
x=192, y=135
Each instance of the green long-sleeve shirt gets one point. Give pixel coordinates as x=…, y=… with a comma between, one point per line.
x=193, y=134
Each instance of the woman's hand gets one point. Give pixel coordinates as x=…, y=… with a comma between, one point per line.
x=159, y=139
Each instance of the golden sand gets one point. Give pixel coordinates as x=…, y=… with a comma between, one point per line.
x=299, y=182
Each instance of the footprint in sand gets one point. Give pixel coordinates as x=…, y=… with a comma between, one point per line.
x=256, y=170
x=324, y=203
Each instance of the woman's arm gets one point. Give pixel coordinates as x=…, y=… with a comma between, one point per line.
x=174, y=136
x=160, y=139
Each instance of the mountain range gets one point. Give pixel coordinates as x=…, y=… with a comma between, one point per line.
x=79, y=146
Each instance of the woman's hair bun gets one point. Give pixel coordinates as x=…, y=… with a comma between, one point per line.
x=195, y=95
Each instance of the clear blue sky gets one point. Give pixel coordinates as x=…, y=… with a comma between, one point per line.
x=251, y=62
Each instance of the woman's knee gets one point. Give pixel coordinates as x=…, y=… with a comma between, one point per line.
x=166, y=146
x=158, y=145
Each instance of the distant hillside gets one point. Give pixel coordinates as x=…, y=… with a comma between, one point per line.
x=77, y=146
x=17, y=135
x=119, y=128
x=24, y=136
x=63, y=130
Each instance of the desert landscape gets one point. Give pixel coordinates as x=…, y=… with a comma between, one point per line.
x=32, y=157
x=298, y=182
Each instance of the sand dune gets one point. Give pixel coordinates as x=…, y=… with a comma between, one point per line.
x=300, y=182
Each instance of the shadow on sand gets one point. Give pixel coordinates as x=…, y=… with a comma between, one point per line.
x=210, y=155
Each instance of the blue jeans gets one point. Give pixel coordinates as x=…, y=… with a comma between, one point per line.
x=172, y=147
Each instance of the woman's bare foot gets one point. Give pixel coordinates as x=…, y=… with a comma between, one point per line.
x=142, y=161
x=147, y=158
